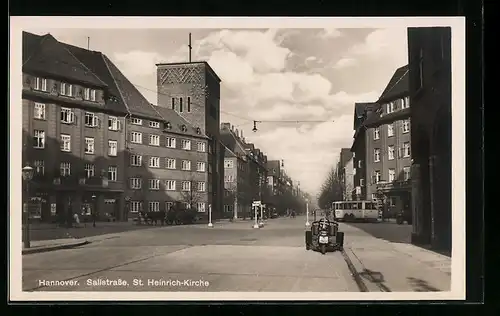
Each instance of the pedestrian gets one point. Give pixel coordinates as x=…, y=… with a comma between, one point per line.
x=76, y=219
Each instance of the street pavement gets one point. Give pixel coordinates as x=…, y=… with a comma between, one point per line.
x=236, y=257
x=388, y=230
x=227, y=257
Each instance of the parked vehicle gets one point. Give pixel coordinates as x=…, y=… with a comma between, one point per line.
x=350, y=211
x=324, y=236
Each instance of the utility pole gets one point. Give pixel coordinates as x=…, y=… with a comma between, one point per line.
x=190, y=47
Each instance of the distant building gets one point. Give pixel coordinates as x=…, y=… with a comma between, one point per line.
x=429, y=54
x=345, y=171
x=388, y=145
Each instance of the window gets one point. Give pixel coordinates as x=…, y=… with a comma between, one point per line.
x=407, y=173
x=112, y=173
x=392, y=175
x=170, y=163
x=135, y=183
x=38, y=139
x=228, y=164
x=40, y=84
x=186, y=165
x=136, y=160
x=89, y=145
x=89, y=94
x=406, y=103
x=173, y=103
x=200, y=206
x=354, y=171
x=169, y=205
x=360, y=163
x=39, y=111
x=228, y=208
x=135, y=206
x=187, y=205
x=154, y=206
x=170, y=142
x=374, y=196
x=377, y=176
x=89, y=170
x=180, y=105
x=154, y=140
x=406, y=149
x=376, y=155
x=112, y=148
x=390, y=150
x=390, y=130
x=136, y=137
x=392, y=201
x=65, y=142
x=376, y=133
x=65, y=169
x=66, y=89
x=154, y=162
x=186, y=144
x=189, y=104
x=91, y=120
x=114, y=123
x=170, y=185
x=228, y=179
x=201, y=147
x=186, y=185
x=390, y=107
x=67, y=116
x=154, y=124
x=136, y=121
x=406, y=126
x=154, y=184
x=39, y=167
x=201, y=186
x=200, y=166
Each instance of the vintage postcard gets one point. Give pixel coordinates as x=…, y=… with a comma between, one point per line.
x=237, y=159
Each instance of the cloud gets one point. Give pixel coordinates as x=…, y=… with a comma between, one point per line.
x=330, y=33
x=344, y=63
x=138, y=63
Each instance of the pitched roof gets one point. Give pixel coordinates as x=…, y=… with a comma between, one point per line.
x=86, y=65
x=52, y=58
x=397, y=86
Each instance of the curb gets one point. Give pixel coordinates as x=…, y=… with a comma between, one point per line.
x=30, y=251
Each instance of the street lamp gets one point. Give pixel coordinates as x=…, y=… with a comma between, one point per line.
x=307, y=213
x=93, y=209
x=27, y=176
x=256, y=224
x=210, y=224
x=261, y=224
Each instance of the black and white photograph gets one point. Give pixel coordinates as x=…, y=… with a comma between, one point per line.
x=237, y=159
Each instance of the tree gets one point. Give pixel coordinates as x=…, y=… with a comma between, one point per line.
x=191, y=196
x=332, y=189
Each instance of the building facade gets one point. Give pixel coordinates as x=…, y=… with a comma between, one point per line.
x=388, y=146
x=429, y=55
x=99, y=147
x=192, y=90
x=345, y=172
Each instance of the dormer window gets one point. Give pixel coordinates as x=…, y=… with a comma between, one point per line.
x=183, y=128
x=198, y=131
x=40, y=84
x=167, y=125
x=66, y=89
x=89, y=94
x=390, y=107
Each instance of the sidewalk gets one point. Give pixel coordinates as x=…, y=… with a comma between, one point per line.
x=51, y=245
x=384, y=266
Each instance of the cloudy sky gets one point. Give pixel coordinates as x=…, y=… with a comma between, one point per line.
x=270, y=75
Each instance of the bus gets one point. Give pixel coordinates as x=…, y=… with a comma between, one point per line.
x=351, y=211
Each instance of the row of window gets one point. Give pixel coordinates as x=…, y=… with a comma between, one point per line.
x=65, y=89
x=399, y=104
x=179, y=101
x=154, y=206
x=377, y=176
x=170, y=163
x=65, y=170
x=169, y=185
x=170, y=142
x=404, y=152
x=405, y=127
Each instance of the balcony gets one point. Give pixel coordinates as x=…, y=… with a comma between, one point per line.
x=395, y=185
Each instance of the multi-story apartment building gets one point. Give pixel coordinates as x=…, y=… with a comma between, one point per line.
x=388, y=145
x=99, y=146
x=257, y=173
x=362, y=111
x=237, y=183
x=192, y=91
x=429, y=55
x=345, y=172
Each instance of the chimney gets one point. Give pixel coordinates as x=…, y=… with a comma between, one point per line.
x=241, y=134
x=225, y=125
x=237, y=133
x=232, y=128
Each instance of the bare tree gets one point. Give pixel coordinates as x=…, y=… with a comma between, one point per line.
x=191, y=196
x=332, y=190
